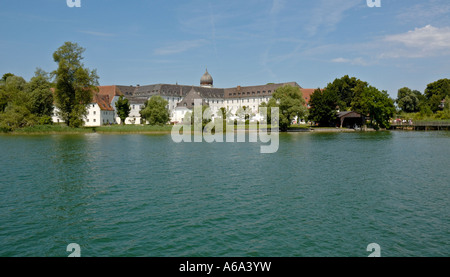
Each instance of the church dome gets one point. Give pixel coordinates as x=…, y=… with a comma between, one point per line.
x=206, y=79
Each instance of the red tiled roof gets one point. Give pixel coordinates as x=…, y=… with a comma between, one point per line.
x=110, y=91
x=307, y=93
x=103, y=101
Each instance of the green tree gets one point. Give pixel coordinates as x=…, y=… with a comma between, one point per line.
x=244, y=113
x=291, y=104
x=187, y=119
x=5, y=76
x=377, y=104
x=345, y=88
x=16, y=116
x=267, y=112
x=15, y=89
x=408, y=100
x=204, y=111
x=155, y=111
x=446, y=110
x=3, y=97
x=323, y=107
x=74, y=84
x=445, y=113
x=40, y=95
x=25, y=104
x=14, y=92
x=123, y=109
x=224, y=113
x=436, y=92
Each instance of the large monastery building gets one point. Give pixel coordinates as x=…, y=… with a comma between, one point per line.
x=180, y=99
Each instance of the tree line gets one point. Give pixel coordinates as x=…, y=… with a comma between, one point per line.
x=352, y=94
x=68, y=90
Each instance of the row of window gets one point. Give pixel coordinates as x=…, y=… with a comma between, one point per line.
x=102, y=112
x=248, y=93
x=95, y=120
x=173, y=106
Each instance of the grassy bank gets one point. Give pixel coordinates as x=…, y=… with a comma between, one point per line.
x=51, y=129
x=63, y=129
x=133, y=129
x=144, y=129
x=113, y=129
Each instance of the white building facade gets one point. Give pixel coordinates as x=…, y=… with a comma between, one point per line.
x=99, y=113
x=180, y=100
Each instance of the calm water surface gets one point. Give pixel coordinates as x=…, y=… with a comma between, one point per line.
x=143, y=195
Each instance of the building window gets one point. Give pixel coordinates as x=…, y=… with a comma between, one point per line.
x=95, y=112
x=95, y=120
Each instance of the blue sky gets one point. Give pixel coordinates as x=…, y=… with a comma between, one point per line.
x=243, y=42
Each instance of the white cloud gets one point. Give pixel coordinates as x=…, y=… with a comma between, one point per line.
x=355, y=61
x=180, y=47
x=421, y=42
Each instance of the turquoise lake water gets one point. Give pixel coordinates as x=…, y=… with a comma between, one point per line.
x=320, y=195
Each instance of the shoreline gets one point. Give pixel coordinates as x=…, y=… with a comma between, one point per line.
x=161, y=130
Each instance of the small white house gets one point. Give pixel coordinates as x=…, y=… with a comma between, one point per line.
x=100, y=112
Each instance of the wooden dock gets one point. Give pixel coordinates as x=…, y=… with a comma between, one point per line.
x=421, y=126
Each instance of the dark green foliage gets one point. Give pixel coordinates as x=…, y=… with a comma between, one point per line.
x=244, y=113
x=155, y=111
x=16, y=116
x=408, y=100
x=123, y=109
x=323, y=107
x=201, y=114
x=290, y=102
x=75, y=84
x=436, y=92
x=375, y=104
x=344, y=88
x=40, y=95
x=5, y=76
